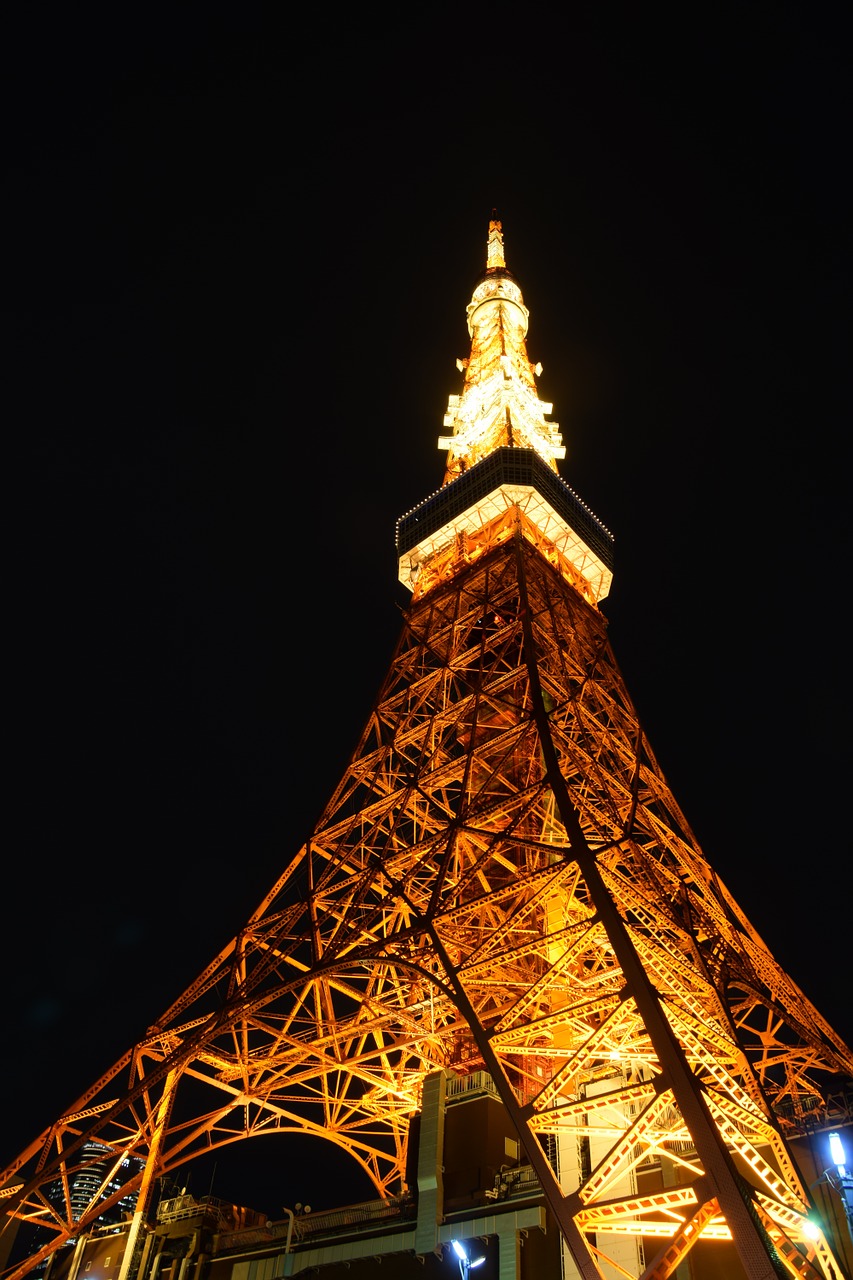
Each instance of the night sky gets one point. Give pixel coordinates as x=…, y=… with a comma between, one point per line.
x=237, y=258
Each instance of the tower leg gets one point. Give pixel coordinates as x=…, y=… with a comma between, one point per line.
x=755, y=1250
x=161, y=1119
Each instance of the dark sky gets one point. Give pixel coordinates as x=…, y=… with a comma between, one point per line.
x=237, y=260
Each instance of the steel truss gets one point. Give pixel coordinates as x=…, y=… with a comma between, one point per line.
x=502, y=880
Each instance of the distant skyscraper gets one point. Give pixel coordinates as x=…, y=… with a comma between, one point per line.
x=98, y=1177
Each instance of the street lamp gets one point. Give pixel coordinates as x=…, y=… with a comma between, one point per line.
x=466, y=1264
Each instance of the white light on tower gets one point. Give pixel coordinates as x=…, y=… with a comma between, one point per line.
x=836, y=1151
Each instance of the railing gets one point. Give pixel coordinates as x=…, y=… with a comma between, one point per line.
x=334, y=1221
x=465, y=1086
x=516, y=1184
x=186, y=1206
x=354, y=1215
x=807, y=1115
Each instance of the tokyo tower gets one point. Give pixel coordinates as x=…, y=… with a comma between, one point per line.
x=502, y=882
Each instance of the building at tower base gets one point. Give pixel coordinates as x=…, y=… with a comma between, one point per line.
x=469, y=1182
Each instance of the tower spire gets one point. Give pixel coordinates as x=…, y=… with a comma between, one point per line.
x=501, y=474
x=499, y=405
x=495, y=249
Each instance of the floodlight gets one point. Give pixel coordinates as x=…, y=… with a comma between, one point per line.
x=466, y=1264
x=836, y=1150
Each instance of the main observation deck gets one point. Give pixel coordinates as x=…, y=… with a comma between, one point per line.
x=508, y=477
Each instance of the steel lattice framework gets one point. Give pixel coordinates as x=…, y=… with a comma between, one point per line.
x=502, y=880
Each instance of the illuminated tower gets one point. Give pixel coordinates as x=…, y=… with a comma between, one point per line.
x=501, y=881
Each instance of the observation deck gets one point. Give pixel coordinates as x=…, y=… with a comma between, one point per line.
x=508, y=477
